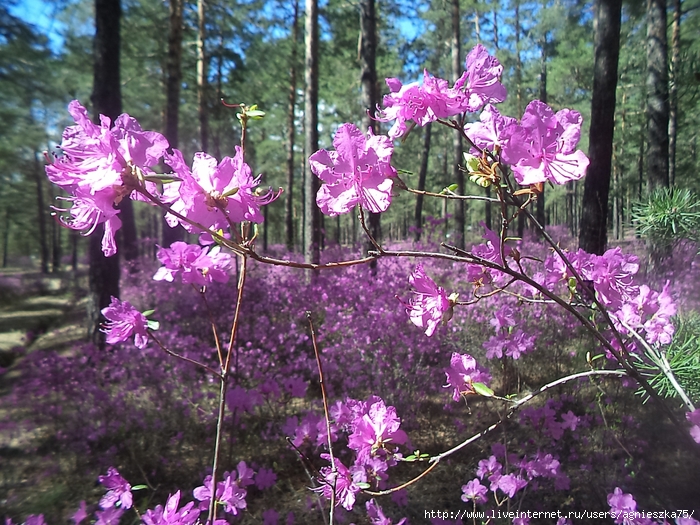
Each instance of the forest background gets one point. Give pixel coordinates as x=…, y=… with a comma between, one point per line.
x=250, y=52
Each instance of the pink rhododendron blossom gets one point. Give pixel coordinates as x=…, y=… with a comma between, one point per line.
x=90, y=210
x=265, y=478
x=376, y=515
x=623, y=509
x=474, y=491
x=359, y=171
x=429, y=305
x=492, y=131
x=170, y=514
x=118, y=489
x=489, y=467
x=543, y=146
x=196, y=265
x=694, y=418
x=462, y=373
x=405, y=103
x=229, y=491
x=345, y=481
x=215, y=194
x=510, y=484
x=480, y=83
x=110, y=516
x=99, y=167
x=376, y=430
x=123, y=321
x=79, y=514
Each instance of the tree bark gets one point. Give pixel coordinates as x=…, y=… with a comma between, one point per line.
x=422, y=175
x=173, y=85
x=43, y=235
x=593, y=230
x=457, y=174
x=370, y=96
x=291, y=132
x=202, y=68
x=312, y=215
x=657, y=96
x=539, y=208
x=106, y=100
x=673, y=91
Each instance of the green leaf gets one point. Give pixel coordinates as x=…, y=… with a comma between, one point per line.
x=163, y=178
x=139, y=487
x=449, y=189
x=148, y=312
x=472, y=162
x=482, y=389
x=153, y=325
x=363, y=485
x=255, y=114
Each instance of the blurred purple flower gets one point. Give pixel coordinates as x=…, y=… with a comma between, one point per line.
x=123, y=321
x=118, y=490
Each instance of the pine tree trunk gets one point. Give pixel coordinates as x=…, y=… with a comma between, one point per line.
x=202, y=68
x=593, y=235
x=312, y=215
x=291, y=132
x=370, y=97
x=422, y=175
x=673, y=91
x=657, y=96
x=457, y=174
x=172, y=99
x=43, y=235
x=106, y=99
x=539, y=208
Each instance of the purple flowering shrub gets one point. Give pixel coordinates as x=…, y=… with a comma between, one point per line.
x=226, y=349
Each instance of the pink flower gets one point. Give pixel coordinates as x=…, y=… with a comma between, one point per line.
x=80, y=514
x=462, y=373
x=480, y=83
x=118, y=489
x=623, y=508
x=345, y=482
x=492, y=131
x=376, y=515
x=358, y=172
x=694, y=418
x=543, y=147
x=229, y=491
x=404, y=103
x=214, y=194
x=110, y=516
x=374, y=430
x=198, y=265
x=474, y=491
x=429, y=305
x=170, y=515
x=123, y=321
x=98, y=166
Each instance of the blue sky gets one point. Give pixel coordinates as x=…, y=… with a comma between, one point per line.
x=39, y=14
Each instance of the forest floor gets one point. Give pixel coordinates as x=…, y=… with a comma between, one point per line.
x=38, y=312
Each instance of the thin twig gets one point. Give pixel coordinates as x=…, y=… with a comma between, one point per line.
x=326, y=413
x=512, y=410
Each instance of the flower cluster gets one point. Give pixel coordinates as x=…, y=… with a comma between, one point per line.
x=195, y=264
x=357, y=172
x=434, y=99
x=99, y=166
x=230, y=491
